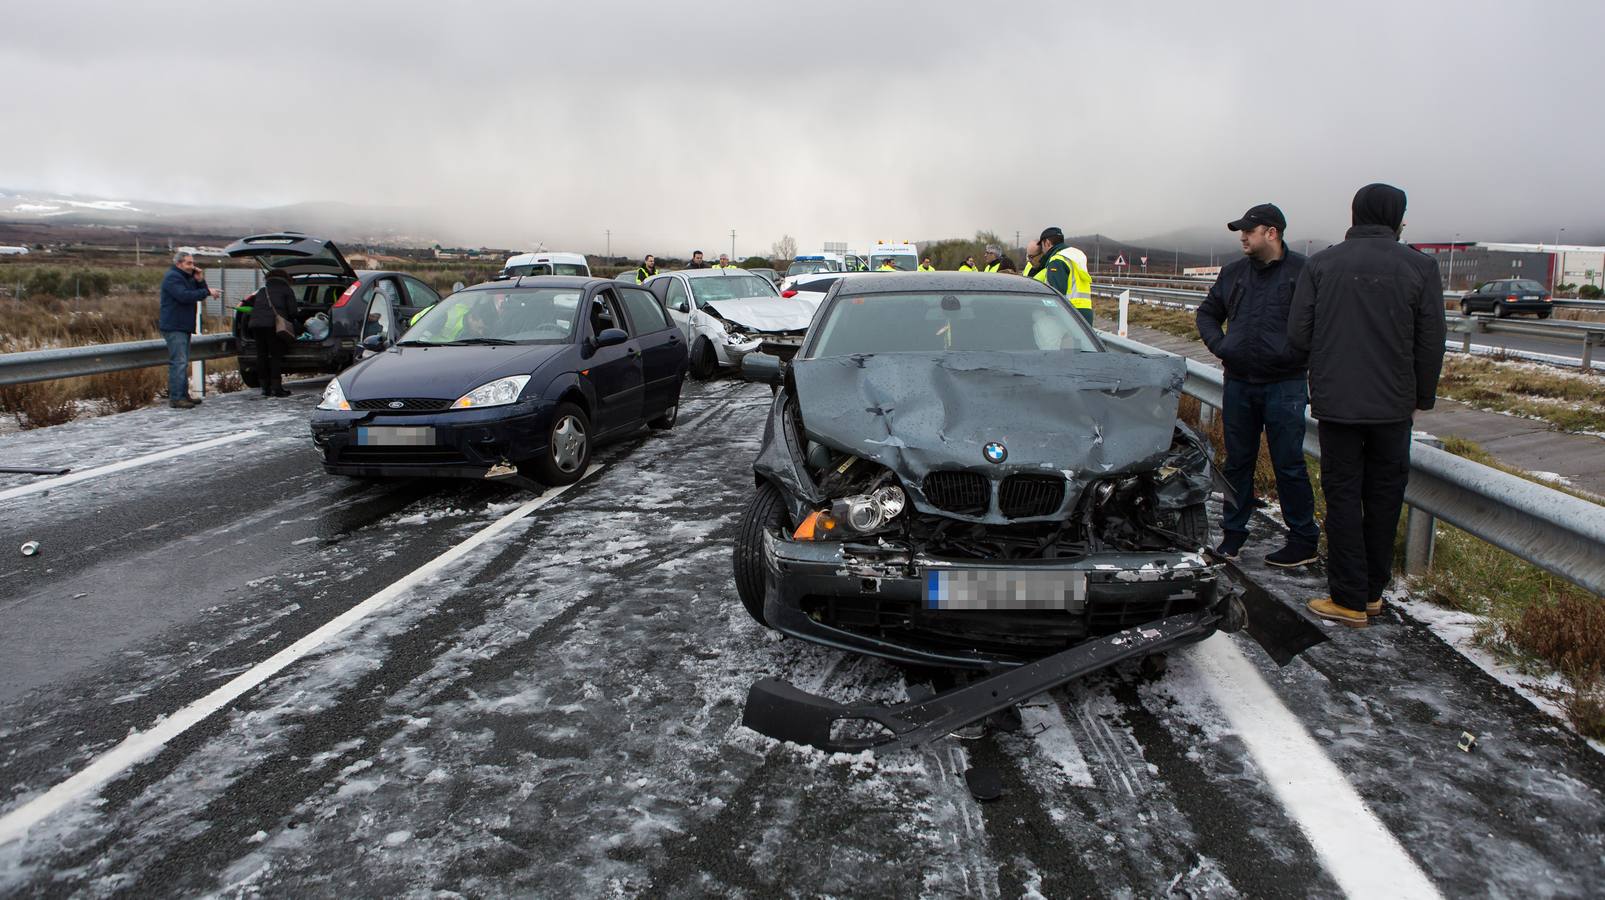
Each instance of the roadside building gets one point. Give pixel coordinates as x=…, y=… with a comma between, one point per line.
x=1466, y=264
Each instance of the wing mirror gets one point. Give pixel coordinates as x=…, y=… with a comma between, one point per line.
x=375, y=343
x=611, y=337
x=764, y=368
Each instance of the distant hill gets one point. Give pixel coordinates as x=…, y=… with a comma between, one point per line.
x=350, y=223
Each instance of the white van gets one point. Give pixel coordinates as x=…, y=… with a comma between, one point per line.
x=903, y=257
x=554, y=263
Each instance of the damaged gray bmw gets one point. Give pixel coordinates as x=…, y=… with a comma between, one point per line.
x=956, y=472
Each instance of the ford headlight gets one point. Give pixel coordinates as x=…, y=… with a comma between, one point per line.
x=855, y=516
x=500, y=392
x=736, y=337
x=333, y=396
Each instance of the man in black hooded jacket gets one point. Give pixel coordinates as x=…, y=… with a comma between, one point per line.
x=1369, y=311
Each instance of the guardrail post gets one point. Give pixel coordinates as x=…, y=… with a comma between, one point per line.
x=1421, y=528
x=1589, y=339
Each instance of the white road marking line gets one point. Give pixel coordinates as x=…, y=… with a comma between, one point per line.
x=1354, y=846
x=51, y=484
x=139, y=746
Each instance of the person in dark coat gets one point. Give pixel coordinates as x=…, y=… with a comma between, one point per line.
x=183, y=287
x=275, y=295
x=1369, y=312
x=1265, y=390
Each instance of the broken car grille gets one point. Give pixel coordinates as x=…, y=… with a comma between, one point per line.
x=960, y=492
x=1030, y=495
x=408, y=404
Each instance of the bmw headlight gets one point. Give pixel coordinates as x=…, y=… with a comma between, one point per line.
x=334, y=397
x=500, y=392
x=855, y=516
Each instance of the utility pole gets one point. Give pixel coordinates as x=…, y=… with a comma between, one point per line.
x=1556, y=263
x=732, y=245
x=1451, y=278
x=609, y=234
x=1017, y=238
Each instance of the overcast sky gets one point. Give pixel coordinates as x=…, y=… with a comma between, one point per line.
x=671, y=124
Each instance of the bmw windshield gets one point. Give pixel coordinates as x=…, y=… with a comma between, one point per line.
x=511, y=316
x=936, y=323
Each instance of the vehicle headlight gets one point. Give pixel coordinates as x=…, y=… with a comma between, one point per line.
x=333, y=396
x=500, y=392
x=855, y=516
x=736, y=337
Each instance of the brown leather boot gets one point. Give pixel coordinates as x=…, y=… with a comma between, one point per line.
x=1332, y=611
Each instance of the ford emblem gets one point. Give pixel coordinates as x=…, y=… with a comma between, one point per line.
x=995, y=452
x=397, y=404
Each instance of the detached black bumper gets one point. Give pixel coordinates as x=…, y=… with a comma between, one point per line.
x=483, y=443
x=854, y=597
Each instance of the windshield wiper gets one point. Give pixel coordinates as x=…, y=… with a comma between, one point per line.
x=480, y=340
x=416, y=344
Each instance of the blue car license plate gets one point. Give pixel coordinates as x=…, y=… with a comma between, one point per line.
x=395, y=436
x=1016, y=589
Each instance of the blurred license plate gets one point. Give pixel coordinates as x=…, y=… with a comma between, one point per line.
x=1005, y=589
x=395, y=436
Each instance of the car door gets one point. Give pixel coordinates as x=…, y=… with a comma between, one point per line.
x=615, y=372
x=663, y=350
x=415, y=298
x=677, y=301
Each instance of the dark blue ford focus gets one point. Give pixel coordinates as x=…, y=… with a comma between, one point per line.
x=515, y=377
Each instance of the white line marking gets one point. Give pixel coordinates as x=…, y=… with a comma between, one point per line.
x=51, y=484
x=141, y=745
x=1353, y=844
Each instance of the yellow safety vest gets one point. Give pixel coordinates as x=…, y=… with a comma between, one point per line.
x=927, y=268
x=641, y=274
x=1079, y=290
x=731, y=266
x=993, y=267
x=966, y=268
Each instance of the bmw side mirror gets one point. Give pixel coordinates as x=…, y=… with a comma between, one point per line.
x=375, y=342
x=611, y=336
x=764, y=368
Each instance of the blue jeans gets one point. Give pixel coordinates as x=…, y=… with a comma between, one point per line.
x=1276, y=410
x=177, y=364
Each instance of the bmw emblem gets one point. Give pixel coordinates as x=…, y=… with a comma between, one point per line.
x=995, y=452
x=396, y=404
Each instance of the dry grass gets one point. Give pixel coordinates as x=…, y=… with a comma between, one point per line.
x=40, y=404
x=127, y=390
x=1570, y=401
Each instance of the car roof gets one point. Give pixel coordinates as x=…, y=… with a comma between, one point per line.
x=707, y=273
x=537, y=281
x=905, y=282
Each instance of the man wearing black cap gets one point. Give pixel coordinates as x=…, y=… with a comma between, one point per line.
x=1369, y=312
x=1064, y=269
x=1266, y=388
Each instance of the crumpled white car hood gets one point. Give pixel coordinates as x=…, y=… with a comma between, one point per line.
x=765, y=313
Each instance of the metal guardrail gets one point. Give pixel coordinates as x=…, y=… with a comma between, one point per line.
x=1559, y=533
x=1591, y=334
x=72, y=362
x=1202, y=284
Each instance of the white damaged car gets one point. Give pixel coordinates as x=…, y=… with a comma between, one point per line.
x=727, y=313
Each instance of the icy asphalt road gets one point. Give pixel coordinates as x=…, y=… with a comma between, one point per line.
x=556, y=711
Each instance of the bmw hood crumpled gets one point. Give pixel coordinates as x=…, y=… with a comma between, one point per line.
x=765, y=313
x=1085, y=415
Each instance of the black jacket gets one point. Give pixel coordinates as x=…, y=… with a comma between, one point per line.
x=1370, y=313
x=280, y=297
x=1253, y=298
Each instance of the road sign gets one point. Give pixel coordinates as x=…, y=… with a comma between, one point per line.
x=1145, y=262
x=1120, y=261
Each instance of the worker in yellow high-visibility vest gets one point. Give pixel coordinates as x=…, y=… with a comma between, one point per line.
x=725, y=263
x=925, y=265
x=969, y=265
x=1064, y=268
x=649, y=267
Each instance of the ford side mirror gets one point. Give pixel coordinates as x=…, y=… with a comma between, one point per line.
x=375, y=342
x=611, y=336
x=764, y=368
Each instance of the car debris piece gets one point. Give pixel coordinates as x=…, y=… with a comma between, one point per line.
x=30, y=548
x=33, y=470
x=784, y=712
x=1468, y=742
x=1276, y=627
x=985, y=782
